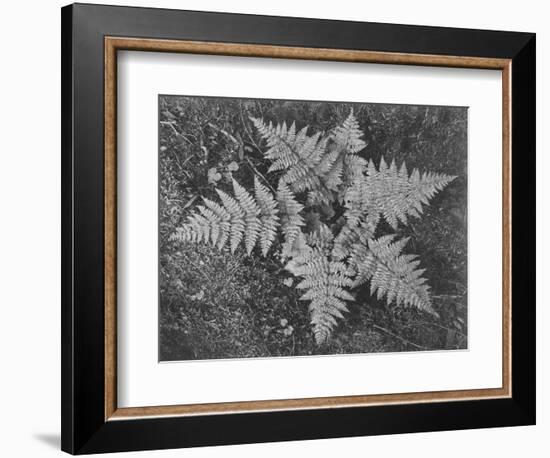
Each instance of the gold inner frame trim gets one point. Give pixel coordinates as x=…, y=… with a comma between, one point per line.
x=114, y=44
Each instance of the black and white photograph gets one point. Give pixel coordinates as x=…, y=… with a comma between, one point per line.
x=296, y=228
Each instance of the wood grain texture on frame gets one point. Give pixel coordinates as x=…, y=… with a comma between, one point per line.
x=110, y=199
x=112, y=45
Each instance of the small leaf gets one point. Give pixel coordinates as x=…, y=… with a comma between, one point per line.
x=288, y=331
x=233, y=167
x=288, y=282
x=241, y=146
x=213, y=175
x=198, y=296
x=190, y=202
x=168, y=115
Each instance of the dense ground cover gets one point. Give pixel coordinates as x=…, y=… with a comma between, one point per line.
x=217, y=304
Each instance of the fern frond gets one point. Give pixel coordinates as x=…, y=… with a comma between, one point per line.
x=237, y=214
x=291, y=219
x=251, y=212
x=391, y=274
x=349, y=141
x=348, y=136
x=324, y=280
x=236, y=218
x=404, y=195
x=268, y=215
x=390, y=192
x=279, y=139
x=297, y=156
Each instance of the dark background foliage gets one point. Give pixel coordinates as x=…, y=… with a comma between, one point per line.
x=220, y=305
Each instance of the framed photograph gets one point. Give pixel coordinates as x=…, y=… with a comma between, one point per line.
x=281, y=229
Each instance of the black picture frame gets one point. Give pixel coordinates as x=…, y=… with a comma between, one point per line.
x=84, y=428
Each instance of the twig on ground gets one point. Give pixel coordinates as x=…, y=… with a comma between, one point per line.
x=171, y=124
x=420, y=323
x=247, y=131
x=256, y=171
x=224, y=132
x=181, y=164
x=405, y=341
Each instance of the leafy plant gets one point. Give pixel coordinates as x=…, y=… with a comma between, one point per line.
x=324, y=220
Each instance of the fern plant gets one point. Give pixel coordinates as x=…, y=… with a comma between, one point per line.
x=323, y=175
